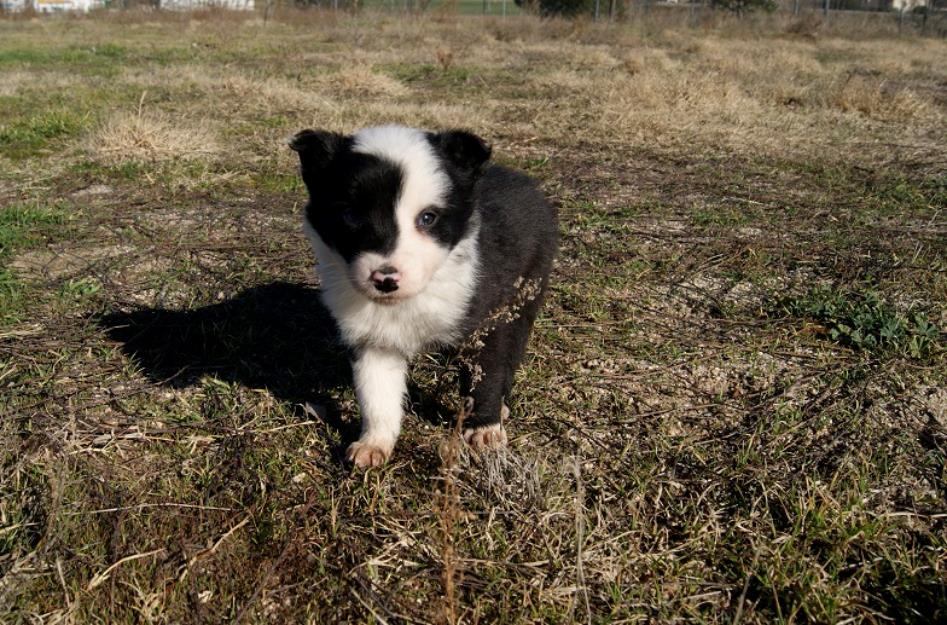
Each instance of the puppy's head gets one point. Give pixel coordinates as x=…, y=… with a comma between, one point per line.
x=390, y=202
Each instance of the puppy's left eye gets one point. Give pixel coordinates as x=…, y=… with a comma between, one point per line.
x=427, y=219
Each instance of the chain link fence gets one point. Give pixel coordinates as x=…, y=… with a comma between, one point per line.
x=924, y=17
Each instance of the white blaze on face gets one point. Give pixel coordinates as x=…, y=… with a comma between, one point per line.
x=416, y=255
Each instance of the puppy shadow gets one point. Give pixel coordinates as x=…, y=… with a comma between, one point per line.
x=432, y=388
x=276, y=336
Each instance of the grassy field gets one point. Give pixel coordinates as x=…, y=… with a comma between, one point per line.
x=735, y=404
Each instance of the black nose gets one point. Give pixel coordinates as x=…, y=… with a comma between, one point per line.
x=386, y=278
x=387, y=285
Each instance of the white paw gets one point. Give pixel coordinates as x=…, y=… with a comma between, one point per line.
x=486, y=437
x=368, y=455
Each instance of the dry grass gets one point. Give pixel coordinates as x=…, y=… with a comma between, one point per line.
x=734, y=405
x=360, y=80
x=141, y=137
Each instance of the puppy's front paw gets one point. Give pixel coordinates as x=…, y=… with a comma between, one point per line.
x=487, y=437
x=367, y=455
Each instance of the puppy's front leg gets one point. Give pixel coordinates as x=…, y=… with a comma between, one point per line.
x=380, y=385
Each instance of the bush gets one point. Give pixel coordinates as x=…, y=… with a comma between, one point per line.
x=746, y=6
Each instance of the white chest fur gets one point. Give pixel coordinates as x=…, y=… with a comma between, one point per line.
x=430, y=318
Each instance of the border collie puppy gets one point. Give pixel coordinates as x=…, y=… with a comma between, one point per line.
x=421, y=245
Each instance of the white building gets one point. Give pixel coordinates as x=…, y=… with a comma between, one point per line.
x=56, y=6
x=51, y=6
x=185, y=5
x=907, y=5
x=12, y=6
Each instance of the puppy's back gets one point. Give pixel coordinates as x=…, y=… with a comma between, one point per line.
x=518, y=235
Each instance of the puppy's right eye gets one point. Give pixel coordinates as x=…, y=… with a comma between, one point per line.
x=351, y=219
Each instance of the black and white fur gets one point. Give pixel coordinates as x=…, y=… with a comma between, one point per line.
x=419, y=245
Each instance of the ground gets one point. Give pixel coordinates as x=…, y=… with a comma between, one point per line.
x=734, y=407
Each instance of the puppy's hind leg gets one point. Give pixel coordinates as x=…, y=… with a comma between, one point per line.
x=380, y=385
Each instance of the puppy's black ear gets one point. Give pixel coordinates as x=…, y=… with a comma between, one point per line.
x=465, y=150
x=316, y=149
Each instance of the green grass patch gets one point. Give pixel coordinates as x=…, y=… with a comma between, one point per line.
x=92, y=172
x=880, y=192
x=27, y=137
x=893, y=196
x=433, y=75
x=22, y=226
x=278, y=182
x=80, y=288
x=101, y=59
x=865, y=322
x=10, y=292
x=719, y=217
